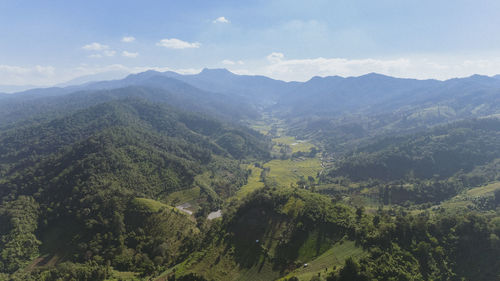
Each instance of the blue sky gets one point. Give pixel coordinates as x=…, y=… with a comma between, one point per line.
x=48, y=42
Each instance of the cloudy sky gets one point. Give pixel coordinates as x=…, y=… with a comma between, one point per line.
x=49, y=42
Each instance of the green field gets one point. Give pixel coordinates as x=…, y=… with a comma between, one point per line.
x=261, y=127
x=295, y=145
x=282, y=172
x=286, y=172
x=123, y=276
x=253, y=182
x=217, y=263
x=150, y=204
x=484, y=190
x=325, y=263
x=155, y=206
x=183, y=196
x=466, y=200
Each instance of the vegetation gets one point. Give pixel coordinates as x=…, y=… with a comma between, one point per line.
x=430, y=166
x=116, y=180
x=86, y=170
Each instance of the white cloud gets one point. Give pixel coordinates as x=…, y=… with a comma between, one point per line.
x=47, y=70
x=95, y=47
x=275, y=57
x=20, y=75
x=128, y=39
x=228, y=62
x=109, y=53
x=277, y=66
x=221, y=20
x=102, y=50
x=129, y=54
x=410, y=67
x=85, y=69
x=48, y=75
x=175, y=43
x=232, y=62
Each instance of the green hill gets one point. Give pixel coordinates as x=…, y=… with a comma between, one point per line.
x=269, y=234
x=76, y=177
x=429, y=166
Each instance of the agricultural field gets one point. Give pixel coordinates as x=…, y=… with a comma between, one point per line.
x=262, y=127
x=289, y=171
x=295, y=145
x=283, y=172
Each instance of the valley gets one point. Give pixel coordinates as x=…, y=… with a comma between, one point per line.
x=161, y=176
x=249, y=140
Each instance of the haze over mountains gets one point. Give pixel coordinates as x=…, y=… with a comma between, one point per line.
x=320, y=96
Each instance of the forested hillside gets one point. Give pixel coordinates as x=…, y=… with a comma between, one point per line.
x=218, y=176
x=296, y=235
x=78, y=178
x=45, y=103
x=430, y=166
x=439, y=153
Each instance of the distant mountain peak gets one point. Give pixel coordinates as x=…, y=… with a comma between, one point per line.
x=480, y=77
x=218, y=71
x=374, y=75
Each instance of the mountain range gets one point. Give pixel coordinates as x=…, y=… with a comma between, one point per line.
x=218, y=176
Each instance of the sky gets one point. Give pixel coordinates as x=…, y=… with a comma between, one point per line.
x=51, y=42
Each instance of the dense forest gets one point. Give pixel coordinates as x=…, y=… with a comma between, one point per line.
x=88, y=168
x=430, y=166
x=218, y=176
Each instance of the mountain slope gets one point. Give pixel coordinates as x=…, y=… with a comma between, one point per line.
x=439, y=152
x=375, y=93
x=79, y=176
x=150, y=86
x=426, y=167
x=255, y=88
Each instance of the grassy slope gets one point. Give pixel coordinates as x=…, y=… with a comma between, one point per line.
x=150, y=204
x=217, y=263
x=251, y=249
x=484, y=190
x=466, y=200
x=325, y=263
x=123, y=276
x=253, y=182
x=183, y=196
